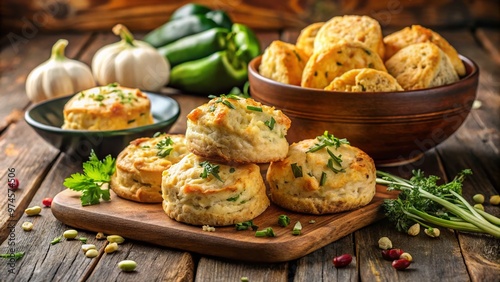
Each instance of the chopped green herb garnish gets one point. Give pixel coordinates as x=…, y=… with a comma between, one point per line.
x=208, y=169
x=270, y=123
x=297, y=170
x=83, y=240
x=130, y=121
x=322, y=181
x=268, y=232
x=16, y=255
x=232, y=170
x=56, y=240
x=233, y=199
x=337, y=160
x=297, y=229
x=95, y=175
x=228, y=104
x=164, y=147
x=255, y=109
x=283, y=220
x=327, y=140
x=246, y=225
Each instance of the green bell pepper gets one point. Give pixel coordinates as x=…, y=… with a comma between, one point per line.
x=221, y=18
x=177, y=29
x=216, y=74
x=195, y=46
x=248, y=45
x=189, y=9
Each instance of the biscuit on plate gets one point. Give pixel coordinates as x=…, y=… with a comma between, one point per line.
x=110, y=107
x=336, y=59
x=352, y=28
x=230, y=128
x=421, y=65
x=325, y=179
x=305, y=40
x=140, y=165
x=283, y=62
x=201, y=192
x=365, y=80
x=418, y=34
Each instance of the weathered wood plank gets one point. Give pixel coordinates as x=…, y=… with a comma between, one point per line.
x=25, y=152
x=490, y=40
x=146, y=15
x=212, y=269
x=318, y=266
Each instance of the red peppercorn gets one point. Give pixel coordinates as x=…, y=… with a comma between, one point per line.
x=13, y=184
x=401, y=264
x=392, y=254
x=47, y=202
x=342, y=260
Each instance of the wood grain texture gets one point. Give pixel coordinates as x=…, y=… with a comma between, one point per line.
x=149, y=223
x=94, y=15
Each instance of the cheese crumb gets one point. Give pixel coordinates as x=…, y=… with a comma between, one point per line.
x=208, y=228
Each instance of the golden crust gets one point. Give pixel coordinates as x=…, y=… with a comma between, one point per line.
x=192, y=199
x=365, y=80
x=305, y=40
x=336, y=59
x=340, y=191
x=283, y=62
x=140, y=165
x=226, y=129
x=421, y=65
x=352, y=28
x=107, y=108
x=418, y=34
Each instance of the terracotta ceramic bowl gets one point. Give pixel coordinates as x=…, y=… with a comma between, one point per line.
x=392, y=127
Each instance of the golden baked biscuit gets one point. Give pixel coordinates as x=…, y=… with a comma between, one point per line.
x=305, y=40
x=351, y=28
x=336, y=59
x=234, y=129
x=365, y=80
x=140, y=165
x=200, y=192
x=110, y=107
x=321, y=176
x=421, y=65
x=418, y=34
x=283, y=62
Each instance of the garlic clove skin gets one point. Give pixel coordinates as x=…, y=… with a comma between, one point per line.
x=58, y=76
x=130, y=63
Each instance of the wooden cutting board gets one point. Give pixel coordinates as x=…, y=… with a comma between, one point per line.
x=149, y=223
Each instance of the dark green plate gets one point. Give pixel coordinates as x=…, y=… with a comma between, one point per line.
x=46, y=118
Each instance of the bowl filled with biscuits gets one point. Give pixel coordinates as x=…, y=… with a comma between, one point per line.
x=393, y=96
x=103, y=119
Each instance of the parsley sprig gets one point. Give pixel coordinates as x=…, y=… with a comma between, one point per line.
x=422, y=200
x=164, y=147
x=208, y=169
x=96, y=174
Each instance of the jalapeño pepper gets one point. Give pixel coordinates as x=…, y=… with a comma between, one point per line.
x=215, y=74
x=178, y=28
x=247, y=42
x=195, y=46
x=189, y=9
x=220, y=17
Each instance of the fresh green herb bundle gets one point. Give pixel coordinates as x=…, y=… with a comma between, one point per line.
x=91, y=183
x=421, y=200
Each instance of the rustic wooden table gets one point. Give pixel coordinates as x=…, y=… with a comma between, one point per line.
x=41, y=170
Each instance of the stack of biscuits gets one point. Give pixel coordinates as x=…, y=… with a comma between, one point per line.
x=219, y=181
x=212, y=174
x=350, y=54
